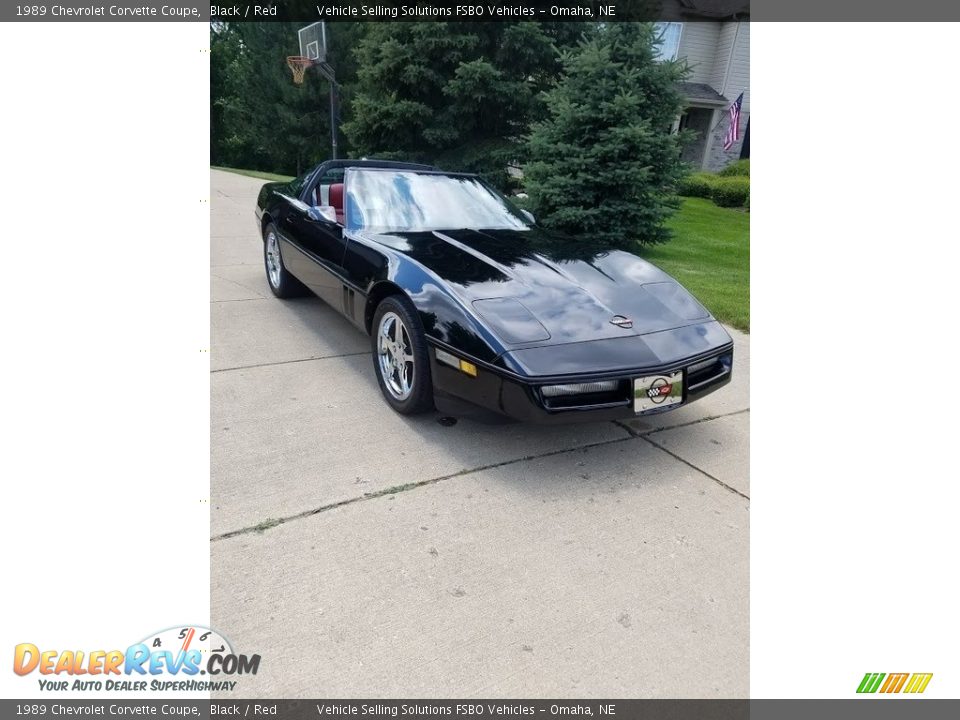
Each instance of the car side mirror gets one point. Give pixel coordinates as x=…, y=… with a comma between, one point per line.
x=323, y=213
x=529, y=216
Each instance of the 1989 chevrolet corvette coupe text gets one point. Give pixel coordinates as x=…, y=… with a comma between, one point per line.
x=474, y=309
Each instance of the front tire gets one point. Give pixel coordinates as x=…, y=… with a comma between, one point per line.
x=400, y=357
x=281, y=282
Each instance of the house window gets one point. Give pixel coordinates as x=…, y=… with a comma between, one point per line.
x=669, y=35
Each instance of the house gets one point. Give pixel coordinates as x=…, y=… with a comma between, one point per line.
x=718, y=53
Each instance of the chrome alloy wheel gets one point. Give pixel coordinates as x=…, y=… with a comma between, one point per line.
x=395, y=356
x=273, y=259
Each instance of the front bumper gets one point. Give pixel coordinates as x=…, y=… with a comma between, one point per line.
x=493, y=395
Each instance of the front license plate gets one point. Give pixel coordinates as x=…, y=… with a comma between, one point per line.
x=657, y=392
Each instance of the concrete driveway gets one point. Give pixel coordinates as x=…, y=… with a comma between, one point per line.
x=364, y=554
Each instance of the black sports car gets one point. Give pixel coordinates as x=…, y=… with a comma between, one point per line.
x=472, y=307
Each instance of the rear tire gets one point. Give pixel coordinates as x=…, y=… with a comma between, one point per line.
x=281, y=282
x=400, y=357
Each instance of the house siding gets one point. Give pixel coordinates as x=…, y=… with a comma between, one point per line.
x=730, y=76
x=698, y=44
x=718, y=54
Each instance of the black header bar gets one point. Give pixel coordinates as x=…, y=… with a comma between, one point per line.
x=486, y=10
x=464, y=10
x=377, y=11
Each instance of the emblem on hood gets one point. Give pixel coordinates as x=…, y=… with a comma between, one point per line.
x=621, y=321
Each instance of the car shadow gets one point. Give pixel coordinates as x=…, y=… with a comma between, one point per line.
x=458, y=436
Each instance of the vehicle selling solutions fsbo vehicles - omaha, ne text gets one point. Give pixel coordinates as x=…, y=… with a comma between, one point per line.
x=474, y=309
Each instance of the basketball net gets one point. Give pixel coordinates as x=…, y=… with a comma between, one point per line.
x=298, y=65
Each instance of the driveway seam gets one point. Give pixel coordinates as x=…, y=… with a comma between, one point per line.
x=273, y=522
x=689, y=464
x=393, y=490
x=644, y=433
x=238, y=284
x=288, y=362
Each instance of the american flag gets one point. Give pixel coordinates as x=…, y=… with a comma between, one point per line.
x=733, y=132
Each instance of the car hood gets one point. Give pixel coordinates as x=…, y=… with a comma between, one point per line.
x=534, y=287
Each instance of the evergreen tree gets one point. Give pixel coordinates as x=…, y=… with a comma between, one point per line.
x=604, y=163
x=458, y=94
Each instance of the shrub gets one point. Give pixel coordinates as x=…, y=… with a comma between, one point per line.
x=697, y=185
x=731, y=191
x=740, y=168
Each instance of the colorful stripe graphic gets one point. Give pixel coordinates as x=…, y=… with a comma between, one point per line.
x=918, y=683
x=894, y=682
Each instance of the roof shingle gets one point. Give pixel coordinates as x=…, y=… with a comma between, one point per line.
x=701, y=92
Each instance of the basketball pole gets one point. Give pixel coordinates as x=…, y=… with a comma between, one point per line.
x=313, y=52
x=327, y=72
x=333, y=118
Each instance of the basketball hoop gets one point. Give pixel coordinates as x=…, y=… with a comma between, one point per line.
x=298, y=65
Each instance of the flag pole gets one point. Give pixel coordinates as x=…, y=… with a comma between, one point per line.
x=720, y=122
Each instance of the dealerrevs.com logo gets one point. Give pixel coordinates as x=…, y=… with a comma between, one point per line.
x=910, y=683
x=178, y=658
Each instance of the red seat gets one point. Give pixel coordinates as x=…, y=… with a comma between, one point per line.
x=336, y=200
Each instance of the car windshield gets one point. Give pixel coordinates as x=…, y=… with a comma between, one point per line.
x=399, y=200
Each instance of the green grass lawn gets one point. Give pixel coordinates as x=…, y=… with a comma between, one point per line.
x=710, y=255
x=255, y=174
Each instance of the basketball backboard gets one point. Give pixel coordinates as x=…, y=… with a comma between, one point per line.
x=313, y=42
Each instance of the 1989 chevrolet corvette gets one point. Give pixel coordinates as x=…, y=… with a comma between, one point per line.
x=474, y=309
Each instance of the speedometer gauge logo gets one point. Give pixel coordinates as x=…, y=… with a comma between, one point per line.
x=193, y=637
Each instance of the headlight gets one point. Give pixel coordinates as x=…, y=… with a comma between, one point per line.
x=509, y=319
x=697, y=367
x=725, y=360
